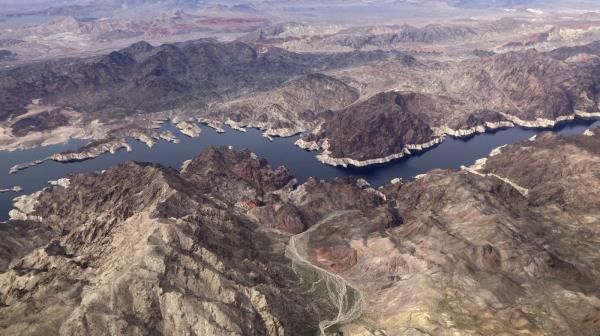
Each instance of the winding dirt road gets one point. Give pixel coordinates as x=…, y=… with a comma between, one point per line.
x=346, y=298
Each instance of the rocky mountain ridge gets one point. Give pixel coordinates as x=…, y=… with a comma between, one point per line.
x=331, y=97
x=143, y=78
x=184, y=253
x=452, y=251
x=459, y=99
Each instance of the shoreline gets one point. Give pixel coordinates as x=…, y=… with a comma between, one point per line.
x=442, y=132
x=99, y=147
x=589, y=129
x=15, y=189
x=188, y=127
x=324, y=157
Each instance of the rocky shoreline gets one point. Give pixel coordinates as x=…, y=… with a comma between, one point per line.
x=21, y=166
x=214, y=124
x=150, y=136
x=387, y=259
x=540, y=123
x=325, y=156
x=14, y=189
x=235, y=125
x=479, y=166
x=112, y=143
x=24, y=207
x=461, y=133
x=189, y=128
x=169, y=136
x=307, y=145
x=91, y=151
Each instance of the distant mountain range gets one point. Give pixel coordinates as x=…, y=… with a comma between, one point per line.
x=143, y=77
x=490, y=3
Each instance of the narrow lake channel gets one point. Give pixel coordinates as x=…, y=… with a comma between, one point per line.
x=452, y=153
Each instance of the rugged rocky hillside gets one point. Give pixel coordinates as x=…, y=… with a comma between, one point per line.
x=503, y=247
x=445, y=37
x=379, y=126
x=295, y=107
x=495, y=83
x=148, y=250
x=143, y=79
x=490, y=3
x=565, y=53
x=509, y=245
x=453, y=98
x=356, y=38
x=335, y=98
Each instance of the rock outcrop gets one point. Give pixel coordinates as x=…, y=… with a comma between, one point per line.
x=13, y=189
x=189, y=128
x=91, y=150
x=295, y=107
x=385, y=126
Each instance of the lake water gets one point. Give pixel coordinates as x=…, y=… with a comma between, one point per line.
x=452, y=153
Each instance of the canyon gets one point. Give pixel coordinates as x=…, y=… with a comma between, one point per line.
x=359, y=107
x=426, y=255
x=326, y=168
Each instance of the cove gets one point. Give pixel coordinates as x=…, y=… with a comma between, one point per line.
x=450, y=154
